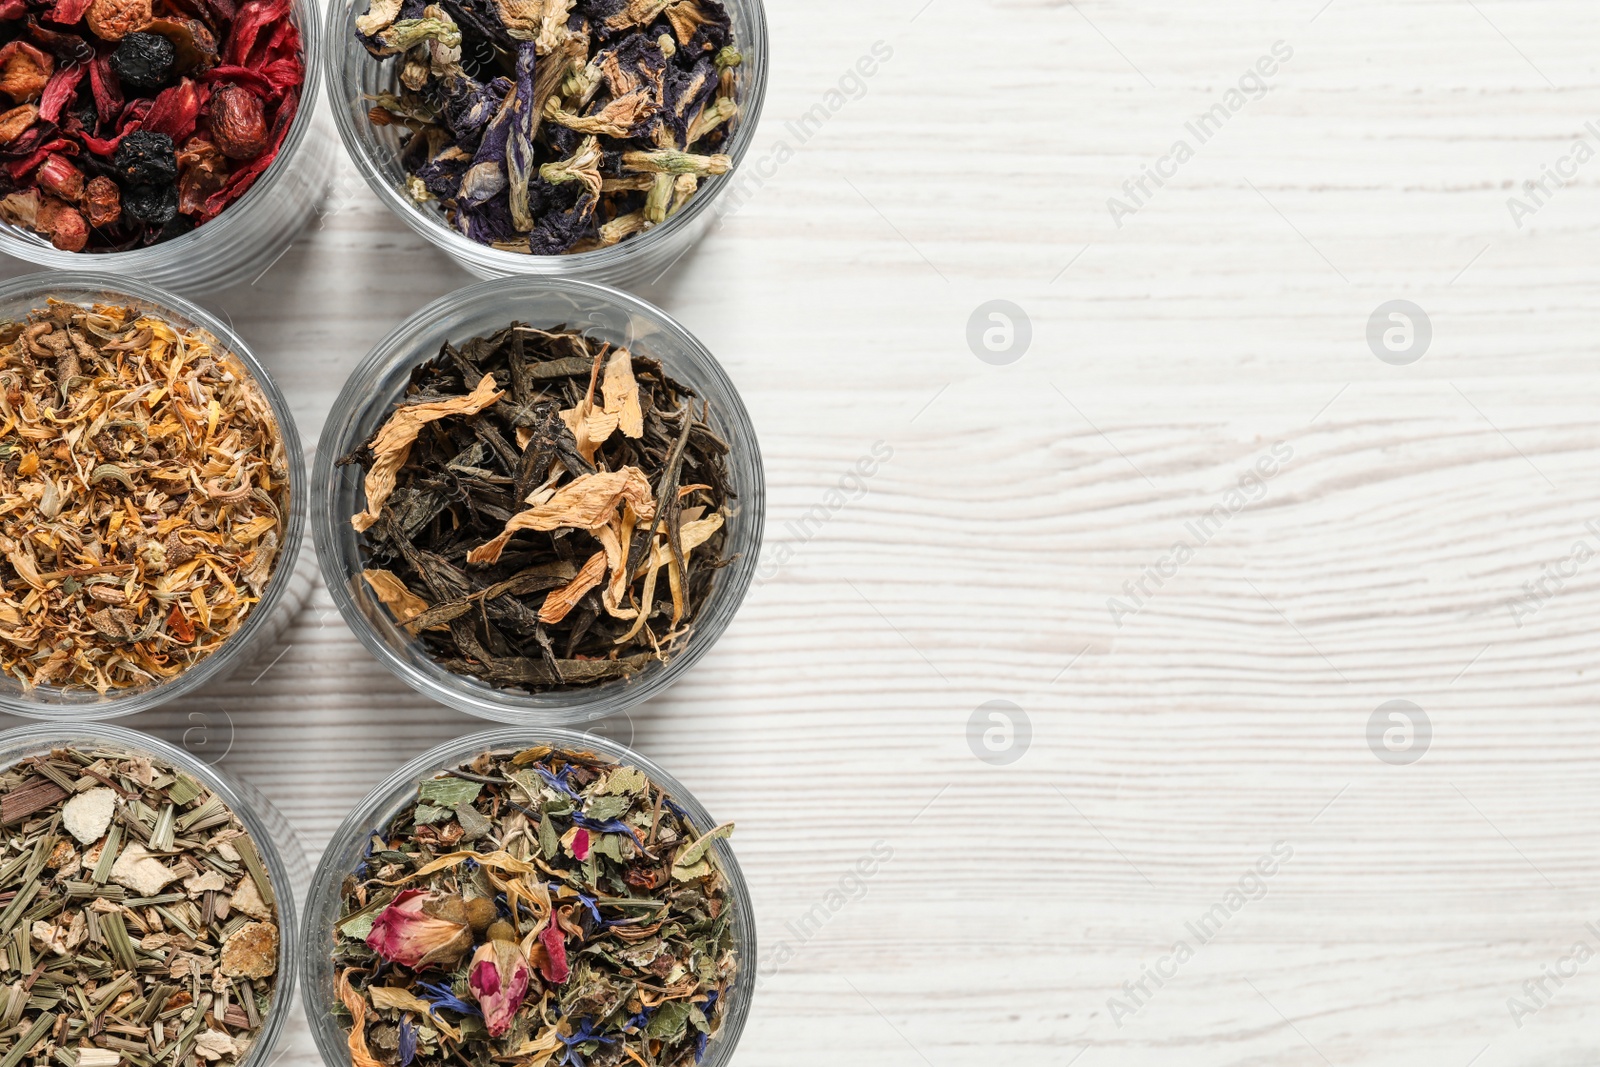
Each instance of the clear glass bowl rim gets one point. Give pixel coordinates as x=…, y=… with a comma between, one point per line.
x=235, y=650
x=202, y=239
x=564, y=707
x=381, y=804
x=496, y=261
x=22, y=740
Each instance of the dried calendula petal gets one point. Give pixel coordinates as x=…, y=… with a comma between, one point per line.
x=392, y=444
x=585, y=503
x=131, y=944
x=143, y=502
x=405, y=604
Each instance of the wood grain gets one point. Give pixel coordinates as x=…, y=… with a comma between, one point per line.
x=1170, y=752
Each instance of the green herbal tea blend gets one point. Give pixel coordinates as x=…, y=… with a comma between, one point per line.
x=138, y=925
x=536, y=908
x=553, y=126
x=544, y=511
x=144, y=494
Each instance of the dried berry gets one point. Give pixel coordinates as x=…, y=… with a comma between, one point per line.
x=184, y=101
x=145, y=158
x=59, y=177
x=102, y=202
x=15, y=121
x=238, y=122
x=144, y=60
x=155, y=204
x=68, y=231
x=112, y=20
x=24, y=71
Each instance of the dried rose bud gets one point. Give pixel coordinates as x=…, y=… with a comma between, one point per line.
x=102, y=200
x=499, y=977
x=420, y=929
x=68, y=231
x=16, y=121
x=238, y=122
x=552, y=952
x=58, y=176
x=24, y=71
x=112, y=20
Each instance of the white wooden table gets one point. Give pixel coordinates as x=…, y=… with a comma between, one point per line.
x=1418, y=539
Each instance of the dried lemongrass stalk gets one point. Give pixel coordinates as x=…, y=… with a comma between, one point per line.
x=143, y=497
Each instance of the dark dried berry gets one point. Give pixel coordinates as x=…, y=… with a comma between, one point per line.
x=144, y=60
x=176, y=226
x=155, y=204
x=145, y=158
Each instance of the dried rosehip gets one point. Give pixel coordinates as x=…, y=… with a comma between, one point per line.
x=145, y=158
x=144, y=60
x=102, y=202
x=15, y=121
x=24, y=71
x=112, y=20
x=66, y=227
x=154, y=204
x=238, y=122
x=58, y=176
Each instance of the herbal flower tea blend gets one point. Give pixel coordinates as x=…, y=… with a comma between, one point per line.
x=554, y=126
x=544, y=510
x=133, y=121
x=138, y=925
x=143, y=497
x=536, y=908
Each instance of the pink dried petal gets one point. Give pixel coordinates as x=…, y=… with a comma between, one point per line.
x=554, y=966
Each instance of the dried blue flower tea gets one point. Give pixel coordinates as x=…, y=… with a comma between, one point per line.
x=549, y=127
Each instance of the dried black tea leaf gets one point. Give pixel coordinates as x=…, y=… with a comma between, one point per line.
x=544, y=510
x=545, y=127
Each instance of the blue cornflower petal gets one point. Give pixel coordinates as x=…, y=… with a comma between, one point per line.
x=444, y=998
x=408, y=1042
x=606, y=826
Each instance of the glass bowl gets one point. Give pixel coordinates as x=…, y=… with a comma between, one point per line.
x=27, y=741
x=324, y=903
x=355, y=76
x=17, y=298
x=369, y=398
x=238, y=245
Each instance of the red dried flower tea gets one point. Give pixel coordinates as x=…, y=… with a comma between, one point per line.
x=133, y=122
x=143, y=497
x=474, y=932
x=544, y=511
x=557, y=127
